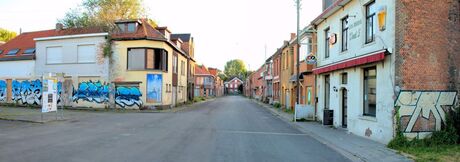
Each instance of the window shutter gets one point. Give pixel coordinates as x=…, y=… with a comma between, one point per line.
x=54, y=55
x=86, y=53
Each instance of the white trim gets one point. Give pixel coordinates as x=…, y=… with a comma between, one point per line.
x=71, y=36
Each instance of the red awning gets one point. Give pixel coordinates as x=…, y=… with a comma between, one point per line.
x=375, y=57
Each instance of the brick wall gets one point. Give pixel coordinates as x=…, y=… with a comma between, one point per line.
x=427, y=44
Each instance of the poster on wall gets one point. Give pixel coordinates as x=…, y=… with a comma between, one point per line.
x=154, y=84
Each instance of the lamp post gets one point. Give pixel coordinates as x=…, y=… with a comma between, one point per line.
x=297, y=60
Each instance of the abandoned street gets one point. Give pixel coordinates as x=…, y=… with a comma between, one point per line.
x=226, y=129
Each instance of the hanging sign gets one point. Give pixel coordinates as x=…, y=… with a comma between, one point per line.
x=311, y=59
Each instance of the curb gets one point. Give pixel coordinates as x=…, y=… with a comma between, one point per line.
x=349, y=155
x=21, y=120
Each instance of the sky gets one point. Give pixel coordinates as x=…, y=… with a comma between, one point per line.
x=250, y=30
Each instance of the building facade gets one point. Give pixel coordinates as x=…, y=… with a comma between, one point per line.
x=204, y=82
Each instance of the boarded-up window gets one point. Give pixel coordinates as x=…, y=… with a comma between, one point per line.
x=136, y=59
x=150, y=59
x=86, y=53
x=54, y=55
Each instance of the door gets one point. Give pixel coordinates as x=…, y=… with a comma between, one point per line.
x=174, y=96
x=344, y=108
x=287, y=100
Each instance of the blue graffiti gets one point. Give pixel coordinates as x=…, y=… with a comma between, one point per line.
x=2, y=91
x=128, y=96
x=28, y=92
x=92, y=92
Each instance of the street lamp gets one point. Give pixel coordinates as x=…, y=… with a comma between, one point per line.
x=297, y=60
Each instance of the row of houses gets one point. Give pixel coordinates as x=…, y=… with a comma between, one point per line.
x=138, y=65
x=365, y=64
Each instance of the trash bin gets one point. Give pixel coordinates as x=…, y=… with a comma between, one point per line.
x=328, y=117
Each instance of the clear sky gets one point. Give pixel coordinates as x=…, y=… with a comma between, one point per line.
x=223, y=29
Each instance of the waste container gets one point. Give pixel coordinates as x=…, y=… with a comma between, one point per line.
x=328, y=117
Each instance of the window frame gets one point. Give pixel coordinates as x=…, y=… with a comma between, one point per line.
x=345, y=33
x=327, y=46
x=365, y=113
x=369, y=17
x=163, y=65
x=344, y=78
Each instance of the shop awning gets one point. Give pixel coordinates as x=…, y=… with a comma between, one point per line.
x=370, y=58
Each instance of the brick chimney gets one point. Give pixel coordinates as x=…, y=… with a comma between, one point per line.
x=293, y=36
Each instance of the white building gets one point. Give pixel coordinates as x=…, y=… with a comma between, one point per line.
x=355, y=67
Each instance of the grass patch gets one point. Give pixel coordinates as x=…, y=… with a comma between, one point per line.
x=199, y=99
x=441, y=146
x=277, y=105
x=289, y=111
x=446, y=153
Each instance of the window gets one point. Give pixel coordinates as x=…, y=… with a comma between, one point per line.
x=86, y=53
x=370, y=22
x=182, y=67
x=136, y=59
x=1, y=51
x=54, y=55
x=121, y=27
x=344, y=78
x=308, y=95
x=175, y=64
x=345, y=33
x=309, y=45
x=131, y=27
x=147, y=59
x=370, y=91
x=13, y=51
x=327, y=46
x=29, y=51
x=327, y=91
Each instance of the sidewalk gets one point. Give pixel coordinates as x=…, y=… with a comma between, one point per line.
x=351, y=146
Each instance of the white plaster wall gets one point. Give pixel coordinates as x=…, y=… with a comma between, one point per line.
x=24, y=69
x=381, y=126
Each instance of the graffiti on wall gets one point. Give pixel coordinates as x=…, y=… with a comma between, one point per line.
x=27, y=92
x=91, y=92
x=424, y=111
x=2, y=91
x=154, y=84
x=128, y=96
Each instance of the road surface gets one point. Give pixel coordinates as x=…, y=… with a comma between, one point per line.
x=227, y=129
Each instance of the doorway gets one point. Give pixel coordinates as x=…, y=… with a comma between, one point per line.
x=344, y=108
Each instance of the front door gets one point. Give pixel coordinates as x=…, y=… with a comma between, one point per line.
x=344, y=108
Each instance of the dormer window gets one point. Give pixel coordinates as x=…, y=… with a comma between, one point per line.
x=1, y=51
x=131, y=27
x=29, y=51
x=127, y=26
x=13, y=52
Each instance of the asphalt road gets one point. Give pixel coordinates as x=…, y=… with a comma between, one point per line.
x=226, y=129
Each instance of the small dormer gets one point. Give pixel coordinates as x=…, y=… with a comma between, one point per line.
x=178, y=42
x=165, y=31
x=128, y=26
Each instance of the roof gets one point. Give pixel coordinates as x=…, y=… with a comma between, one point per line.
x=202, y=70
x=329, y=11
x=25, y=41
x=145, y=31
x=183, y=37
x=234, y=79
x=213, y=71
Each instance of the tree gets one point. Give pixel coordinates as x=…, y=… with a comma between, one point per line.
x=235, y=68
x=6, y=35
x=103, y=13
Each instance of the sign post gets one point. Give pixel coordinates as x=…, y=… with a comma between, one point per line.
x=49, y=95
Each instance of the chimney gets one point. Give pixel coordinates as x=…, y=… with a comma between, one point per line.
x=59, y=26
x=293, y=36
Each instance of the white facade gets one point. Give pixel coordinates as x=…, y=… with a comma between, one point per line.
x=381, y=127
x=21, y=69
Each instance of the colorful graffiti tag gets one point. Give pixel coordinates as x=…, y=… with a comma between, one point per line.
x=92, y=92
x=2, y=91
x=423, y=111
x=28, y=92
x=128, y=96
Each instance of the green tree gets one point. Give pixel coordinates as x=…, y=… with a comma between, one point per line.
x=103, y=13
x=235, y=68
x=6, y=35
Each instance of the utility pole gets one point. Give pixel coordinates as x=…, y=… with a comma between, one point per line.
x=297, y=60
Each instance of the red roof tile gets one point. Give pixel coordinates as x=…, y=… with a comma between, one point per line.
x=25, y=40
x=201, y=70
x=144, y=30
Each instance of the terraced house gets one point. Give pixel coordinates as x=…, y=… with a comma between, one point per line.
x=145, y=67
x=370, y=57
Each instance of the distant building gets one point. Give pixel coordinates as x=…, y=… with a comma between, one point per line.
x=232, y=86
x=204, y=82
